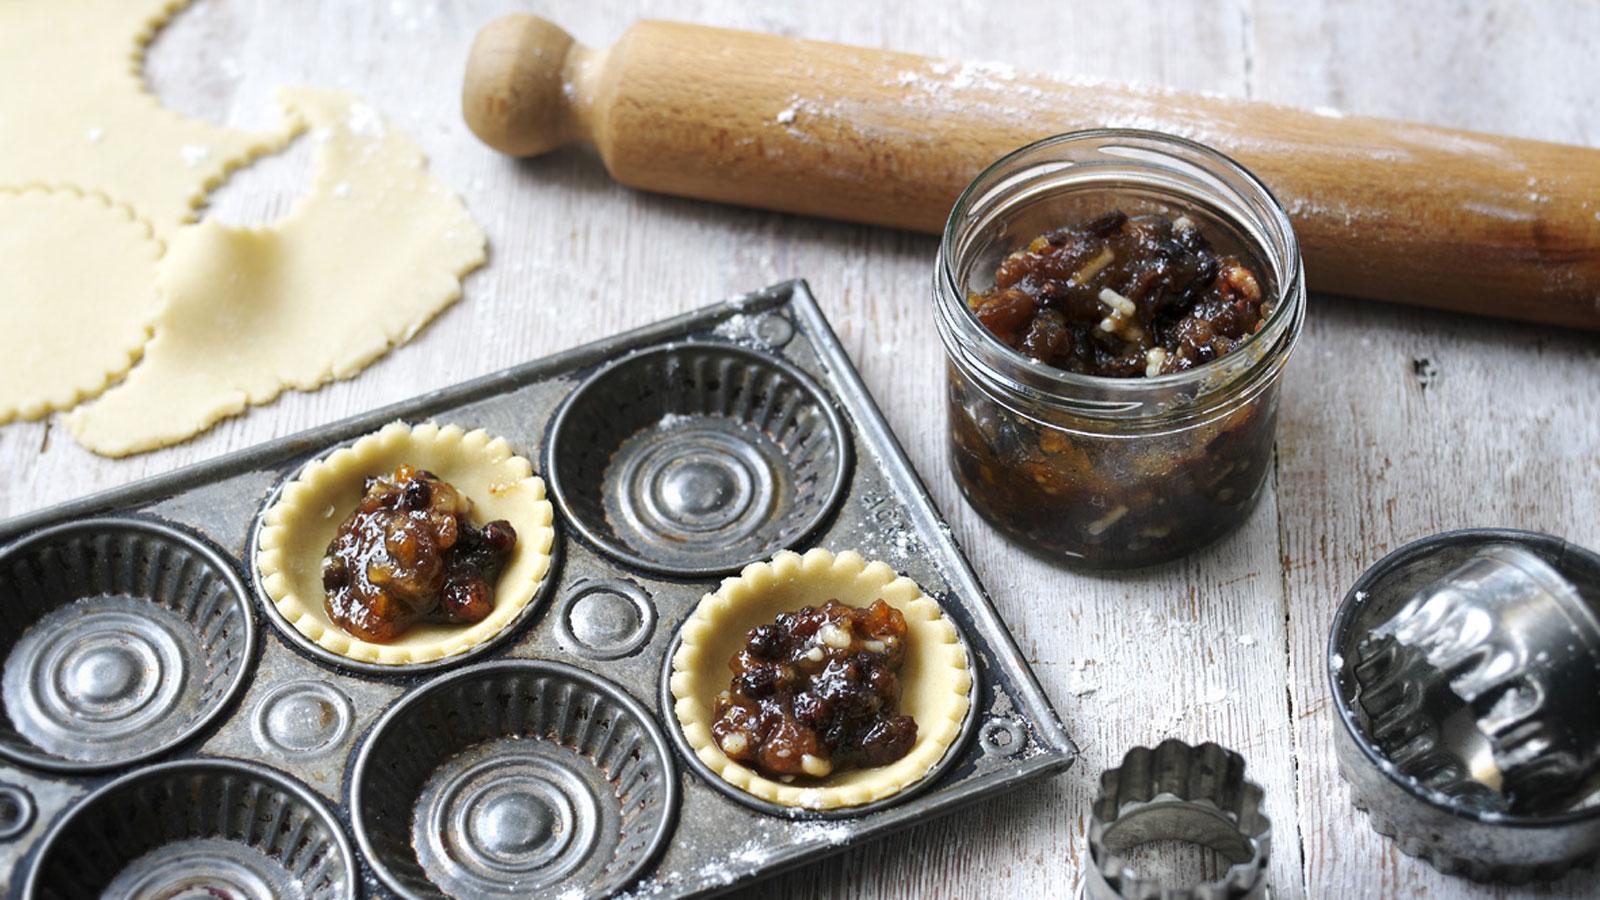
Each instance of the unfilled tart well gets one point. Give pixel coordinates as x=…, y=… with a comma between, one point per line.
x=936, y=681
x=297, y=528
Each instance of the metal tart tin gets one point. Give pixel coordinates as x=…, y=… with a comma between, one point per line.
x=1178, y=792
x=315, y=715
x=515, y=776
x=1465, y=670
x=198, y=828
x=697, y=458
x=121, y=637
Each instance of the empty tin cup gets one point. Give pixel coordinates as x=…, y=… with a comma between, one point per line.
x=121, y=639
x=513, y=778
x=697, y=458
x=1466, y=672
x=203, y=828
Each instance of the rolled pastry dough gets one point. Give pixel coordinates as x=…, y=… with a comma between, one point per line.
x=374, y=250
x=77, y=286
x=74, y=110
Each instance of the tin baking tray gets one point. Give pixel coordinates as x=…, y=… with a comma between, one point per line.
x=200, y=741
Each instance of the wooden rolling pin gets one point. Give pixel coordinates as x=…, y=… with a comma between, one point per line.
x=1385, y=210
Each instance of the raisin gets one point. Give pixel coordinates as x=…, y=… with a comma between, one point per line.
x=416, y=495
x=499, y=537
x=1047, y=336
x=1005, y=312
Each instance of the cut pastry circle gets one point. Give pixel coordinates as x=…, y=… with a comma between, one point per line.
x=296, y=529
x=77, y=274
x=936, y=678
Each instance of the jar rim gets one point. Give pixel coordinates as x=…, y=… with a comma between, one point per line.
x=1288, y=308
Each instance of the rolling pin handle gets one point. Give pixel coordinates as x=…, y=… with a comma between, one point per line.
x=523, y=94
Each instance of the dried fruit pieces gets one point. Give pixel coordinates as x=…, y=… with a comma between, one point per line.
x=817, y=691
x=409, y=553
x=1123, y=297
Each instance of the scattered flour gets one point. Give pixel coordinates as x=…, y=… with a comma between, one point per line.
x=192, y=154
x=905, y=543
x=1079, y=680
x=830, y=833
x=735, y=328
x=365, y=121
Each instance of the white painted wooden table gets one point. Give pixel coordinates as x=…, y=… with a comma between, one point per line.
x=1396, y=423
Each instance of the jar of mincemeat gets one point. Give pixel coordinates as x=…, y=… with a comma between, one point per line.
x=1081, y=466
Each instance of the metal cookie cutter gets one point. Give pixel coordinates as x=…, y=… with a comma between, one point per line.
x=1175, y=791
x=1465, y=670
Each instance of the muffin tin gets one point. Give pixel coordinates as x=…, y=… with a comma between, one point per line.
x=156, y=738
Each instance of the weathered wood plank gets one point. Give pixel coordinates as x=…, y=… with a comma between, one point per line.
x=1397, y=423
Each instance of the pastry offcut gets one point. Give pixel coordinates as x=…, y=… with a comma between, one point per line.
x=297, y=528
x=936, y=679
x=77, y=284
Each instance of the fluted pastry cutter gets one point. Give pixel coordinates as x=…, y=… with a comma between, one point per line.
x=1175, y=791
x=1465, y=670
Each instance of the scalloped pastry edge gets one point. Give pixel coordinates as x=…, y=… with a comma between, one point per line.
x=67, y=397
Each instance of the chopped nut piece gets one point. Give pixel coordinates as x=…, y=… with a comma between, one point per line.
x=1095, y=267
x=815, y=766
x=1099, y=526
x=834, y=636
x=1119, y=304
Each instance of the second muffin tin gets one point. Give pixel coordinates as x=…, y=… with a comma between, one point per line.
x=674, y=453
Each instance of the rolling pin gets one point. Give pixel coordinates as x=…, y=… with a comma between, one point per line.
x=1385, y=210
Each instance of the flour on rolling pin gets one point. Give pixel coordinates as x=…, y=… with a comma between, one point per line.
x=1384, y=210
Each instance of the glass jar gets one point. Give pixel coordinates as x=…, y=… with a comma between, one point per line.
x=1113, y=472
